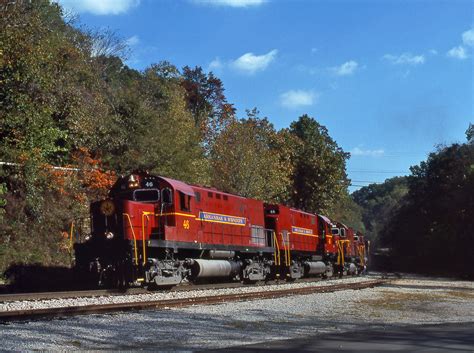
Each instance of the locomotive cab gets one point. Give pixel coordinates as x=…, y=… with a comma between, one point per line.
x=115, y=252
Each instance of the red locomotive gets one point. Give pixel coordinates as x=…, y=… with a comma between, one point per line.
x=159, y=231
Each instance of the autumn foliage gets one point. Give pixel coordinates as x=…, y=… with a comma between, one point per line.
x=74, y=115
x=83, y=180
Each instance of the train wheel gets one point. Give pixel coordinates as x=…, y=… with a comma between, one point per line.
x=329, y=271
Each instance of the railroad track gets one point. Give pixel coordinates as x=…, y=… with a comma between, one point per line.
x=12, y=297
x=29, y=314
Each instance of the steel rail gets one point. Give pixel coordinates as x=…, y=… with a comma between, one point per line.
x=29, y=314
x=10, y=297
x=14, y=297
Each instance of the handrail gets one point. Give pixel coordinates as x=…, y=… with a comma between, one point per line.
x=361, y=249
x=286, y=248
x=70, y=236
x=144, y=214
x=134, y=238
x=340, y=251
x=277, y=249
x=289, y=248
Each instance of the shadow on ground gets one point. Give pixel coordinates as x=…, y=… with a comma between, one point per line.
x=455, y=337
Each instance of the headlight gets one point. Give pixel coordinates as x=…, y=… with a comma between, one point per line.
x=109, y=235
x=107, y=207
x=133, y=181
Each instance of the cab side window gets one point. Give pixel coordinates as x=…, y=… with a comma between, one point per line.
x=166, y=196
x=184, y=202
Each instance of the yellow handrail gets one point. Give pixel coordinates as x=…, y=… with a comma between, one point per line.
x=286, y=248
x=340, y=253
x=277, y=250
x=70, y=236
x=134, y=238
x=144, y=214
x=362, y=254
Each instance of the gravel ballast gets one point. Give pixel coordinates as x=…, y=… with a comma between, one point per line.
x=412, y=301
x=154, y=296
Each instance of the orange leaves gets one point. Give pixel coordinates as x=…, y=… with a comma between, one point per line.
x=58, y=178
x=98, y=180
x=84, y=178
x=92, y=176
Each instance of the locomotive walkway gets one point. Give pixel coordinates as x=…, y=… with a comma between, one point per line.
x=261, y=292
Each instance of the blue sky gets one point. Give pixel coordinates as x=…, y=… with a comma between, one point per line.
x=389, y=79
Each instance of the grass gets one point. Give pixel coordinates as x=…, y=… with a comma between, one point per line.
x=392, y=300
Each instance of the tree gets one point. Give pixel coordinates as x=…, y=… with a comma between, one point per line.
x=246, y=159
x=380, y=203
x=207, y=103
x=470, y=134
x=319, y=177
x=160, y=134
x=50, y=94
x=433, y=230
x=345, y=210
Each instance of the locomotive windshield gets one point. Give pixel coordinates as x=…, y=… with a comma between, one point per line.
x=146, y=195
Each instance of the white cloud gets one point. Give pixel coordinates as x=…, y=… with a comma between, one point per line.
x=216, y=64
x=461, y=52
x=405, y=59
x=468, y=37
x=251, y=63
x=230, y=3
x=357, y=151
x=433, y=52
x=457, y=53
x=348, y=68
x=133, y=40
x=99, y=7
x=298, y=98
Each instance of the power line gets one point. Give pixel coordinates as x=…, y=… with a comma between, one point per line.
x=52, y=167
x=78, y=169
x=378, y=171
x=367, y=181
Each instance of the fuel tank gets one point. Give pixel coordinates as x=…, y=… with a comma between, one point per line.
x=314, y=267
x=214, y=268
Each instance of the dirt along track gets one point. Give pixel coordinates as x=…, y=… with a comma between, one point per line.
x=262, y=292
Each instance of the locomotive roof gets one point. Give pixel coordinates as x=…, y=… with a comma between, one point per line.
x=326, y=219
x=180, y=186
x=301, y=211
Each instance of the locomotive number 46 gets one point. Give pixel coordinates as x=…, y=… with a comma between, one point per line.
x=186, y=224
